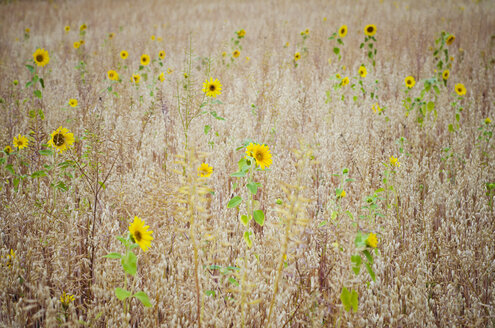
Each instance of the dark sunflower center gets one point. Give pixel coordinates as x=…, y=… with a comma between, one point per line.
x=58, y=139
x=259, y=156
x=111, y=75
x=212, y=87
x=342, y=31
x=459, y=90
x=138, y=236
x=145, y=60
x=370, y=29
x=19, y=143
x=39, y=58
x=409, y=81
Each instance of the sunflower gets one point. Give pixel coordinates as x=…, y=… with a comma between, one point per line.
x=306, y=31
x=8, y=149
x=371, y=241
x=370, y=30
x=185, y=75
x=345, y=81
x=460, y=89
x=343, y=31
x=41, y=57
x=73, y=102
x=236, y=53
x=83, y=27
x=450, y=40
x=153, y=38
x=76, y=45
x=297, y=56
x=376, y=108
x=337, y=76
x=140, y=233
x=241, y=33
x=161, y=77
x=261, y=154
x=81, y=42
x=27, y=30
x=61, y=139
x=67, y=29
x=362, y=71
x=169, y=70
x=135, y=78
x=20, y=142
x=162, y=55
x=410, y=82
x=224, y=53
x=487, y=121
x=446, y=74
x=124, y=54
x=111, y=35
x=112, y=75
x=212, y=88
x=145, y=60
x=394, y=161
x=205, y=170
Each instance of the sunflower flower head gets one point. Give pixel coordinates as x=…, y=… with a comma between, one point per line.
x=20, y=142
x=446, y=74
x=241, y=33
x=140, y=233
x=76, y=45
x=41, y=57
x=370, y=30
x=394, y=161
x=212, y=88
x=113, y=75
x=297, y=56
x=345, y=81
x=261, y=154
x=487, y=121
x=83, y=27
x=362, y=71
x=61, y=139
x=145, y=60
x=73, y=102
x=371, y=241
x=204, y=170
x=161, y=77
x=343, y=31
x=410, y=82
x=162, y=54
x=111, y=35
x=450, y=39
x=135, y=78
x=7, y=150
x=67, y=29
x=236, y=53
x=124, y=54
x=460, y=89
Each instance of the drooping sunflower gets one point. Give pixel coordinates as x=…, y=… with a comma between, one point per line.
x=124, y=54
x=76, y=45
x=297, y=56
x=204, y=170
x=135, y=78
x=371, y=241
x=140, y=233
x=362, y=71
x=212, y=88
x=67, y=29
x=61, y=139
x=370, y=30
x=410, y=82
x=7, y=150
x=460, y=89
x=450, y=39
x=20, y=142
x=145, y=59
x=345, y=81
x=241, y=33
x=73, y=102
x=41, y=57
x=161, y=77
x=261, y=154
x=343, y=31
x=113, y=75
x=162, y=54
x=446, y=74
x=236, y=53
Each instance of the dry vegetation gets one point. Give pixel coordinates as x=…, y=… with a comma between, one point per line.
x=435, y=260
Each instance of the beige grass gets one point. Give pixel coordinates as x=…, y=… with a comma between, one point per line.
x=436, y=270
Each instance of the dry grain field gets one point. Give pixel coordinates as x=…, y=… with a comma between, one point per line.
x=247, y=163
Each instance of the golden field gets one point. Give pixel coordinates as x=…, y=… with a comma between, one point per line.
x=247, y=163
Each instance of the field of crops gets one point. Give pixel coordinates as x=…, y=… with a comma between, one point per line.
x=247, y=163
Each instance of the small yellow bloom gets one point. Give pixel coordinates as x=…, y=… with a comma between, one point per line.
x=376, y=108
x=371, y=241
x=394, y=161
x=212, y=88
x=370, y=30
x=345, y=81
x=247, y=59
x=205, y=170
x=161, y=77
x=67, y=29
x=446, y=74
x=124, y=54
x=162, y=55
x=145, y=60
x=450, y=39
x=27, y=30
x=113, y=75
x=338, y=76
x=410, y=82
x=73, y=102
x=20, y=142
x=224, y=53
x=135, y=78
x=66, y=299
x=487, y=121
x=342, y=194
x=362, y=71
x=324, y=19
x=153, y=38
x=61, y=139
x=140, y=233
x=241, y=33
x=41, y=57
x=81, y=42
x=169, y=70
x=159, y=39
x=460, y=89
x=306, y=31
x=111, y=35
x=186, y=76
x=287, y=44
x=297, y=56
x=8, y=149
x=76, y=45
x=83, y=27
x=236, y=53
x=343, y=31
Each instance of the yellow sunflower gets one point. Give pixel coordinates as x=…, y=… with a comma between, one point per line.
x=241, y=33
x=135, y=78
x=224, y=53
x=394, y=161
x=76, y=45
x=20, y=142
x=145, y=60
x=410, y=82
x=162, y=55
x=345, y=81
x=370, y=30
x=113, y=75
x=362, y=71
x=81, y=42
x=140, y=233
x=111, y=35
x=371, y=241
x=41, y=57
x=212, y=88
x=236, y=53
x=343, y=31
x=450, y=39
x=487, y=121
x=261, y=154
x=8, y=149
x=73, y=102
x=124, y=54
x=67, y=29
x=61, y=139
x=306, y=31
x=205, y=170
x=161, y=77
x=153, y=38
x=169, y=70
x=297, y=56
x=460, y=89
x=83, y=27
x=446, y=74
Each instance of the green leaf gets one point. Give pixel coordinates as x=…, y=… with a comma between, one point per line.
x=38, y=174
x=451, y=128
x=129, y=263
x=334, y=215
x=244, y=220
x=253, y=187
x=233, y=281
x=122, y=294
x=207, y=129
x=259, y=217
x=356, y=260
x=370, y=271
x=368, y=256
x=430, y=106
x=214, y=114
x=42, y=83
x=45, y=152
x=349, y=299
x=247, y=238
x=336, y=50
x=30, y=68
x=113, y=256
x=210, y=293
x=37, y=93
x=239, y=174
x=10, y=168
x=234, y=202
x=143, y=297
